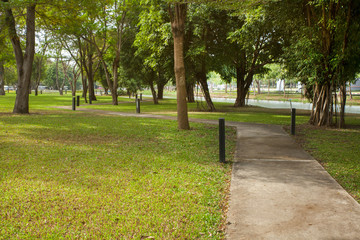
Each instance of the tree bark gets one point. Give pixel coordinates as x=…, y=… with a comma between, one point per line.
x=321, y=114
x=2, y=78
x=160, y=93
x=59, y=86
x=190, y=92
x=153, y=93
x=205, y=89
x=23, y=61
x=161, y=85
x=178, y=17
x=258, y=86
x=90, y=75
x=243, y=85
x=350, y=91
x=342, y=106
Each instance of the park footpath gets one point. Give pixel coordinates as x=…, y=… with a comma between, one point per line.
x=278, y=191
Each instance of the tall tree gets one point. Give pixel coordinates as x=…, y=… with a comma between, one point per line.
x=254, y=44
x=154, y=44
x=24, y=60
x=324, y=51
x=177, y=13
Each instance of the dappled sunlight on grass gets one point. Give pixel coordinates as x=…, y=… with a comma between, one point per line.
x=77, y=175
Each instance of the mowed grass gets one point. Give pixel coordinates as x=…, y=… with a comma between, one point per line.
x=198, y=110
x=337, y=150
x=87, y=176
x=66, y=174
x=74, y=175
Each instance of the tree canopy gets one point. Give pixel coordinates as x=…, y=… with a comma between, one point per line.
x=149, y=43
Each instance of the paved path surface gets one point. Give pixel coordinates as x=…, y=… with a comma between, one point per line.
x=278, y=191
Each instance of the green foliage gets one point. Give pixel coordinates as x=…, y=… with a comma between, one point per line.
x=10, y=75
x=50, y=79
x=321, y=48
x=153, y=43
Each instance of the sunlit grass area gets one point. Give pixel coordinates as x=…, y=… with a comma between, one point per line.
x=74, y=175
x=71, y=174
x=337, y=150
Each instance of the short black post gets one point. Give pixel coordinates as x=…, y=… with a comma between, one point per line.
x=137, y=105
x=77, y=100
x=222, y=139
x=293, y=114
x=40, y=91
x=140, y=96
x=73, y=104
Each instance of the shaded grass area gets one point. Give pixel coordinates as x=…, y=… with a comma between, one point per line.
x=224, y=110
x=77, y=175
x=337, y=150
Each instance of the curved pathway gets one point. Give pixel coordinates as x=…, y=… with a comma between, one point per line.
x=278, y=191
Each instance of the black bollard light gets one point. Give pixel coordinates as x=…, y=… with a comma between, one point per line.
x=77, y=100
x=138, y=106
x=73, y=104
x=293, y=115
x=140, y=96
x=222, y=139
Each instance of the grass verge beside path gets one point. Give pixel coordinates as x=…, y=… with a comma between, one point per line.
x=337, y=150
x=78, y=175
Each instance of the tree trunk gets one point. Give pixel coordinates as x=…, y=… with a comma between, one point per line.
x=190, y=92
x=160, y=94
x=2, y=78
x=205, y=89
x=57, y=77
x=178, y=17
x=321, y=115
x=162, y=81
x=258, y=86
x=85, y=87
x=350, y=92
x=242, y=88
x=23, y=61
x=153, y=92
x=90, y=75
x=342, y=106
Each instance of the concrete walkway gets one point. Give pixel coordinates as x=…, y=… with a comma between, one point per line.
x=278, y=191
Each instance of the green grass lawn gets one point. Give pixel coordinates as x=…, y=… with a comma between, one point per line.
x=66, y=174
x=196, y=110
x=337, y=150
x=74, y=175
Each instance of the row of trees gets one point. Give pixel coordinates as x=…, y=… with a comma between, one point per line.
x=150, y=42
